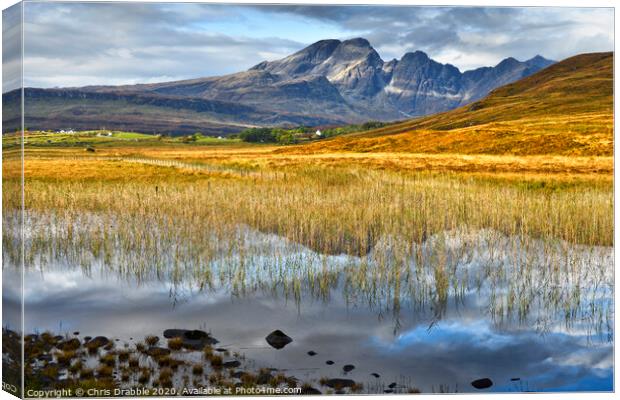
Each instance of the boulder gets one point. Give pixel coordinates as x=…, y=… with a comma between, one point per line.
x=483, y=383
x=278, y=339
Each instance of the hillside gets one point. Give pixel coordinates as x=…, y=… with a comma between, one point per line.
x=566, y=109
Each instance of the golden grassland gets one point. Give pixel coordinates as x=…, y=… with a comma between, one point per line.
x=174, y=222
x=573, y=135
x=337, y=202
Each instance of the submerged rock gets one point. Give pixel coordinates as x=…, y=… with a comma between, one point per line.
x=392, y=385
x=192, y=339
x=339, y=383
x=264, y=378
x=158, y=351
x=310, y=390
x=312, y=353
x=98, y=341
x=348, y=368
x=483, y=383
x=238, y=374
x=71, y=344
x=278, y=339
x=231, y=364
x=329, y=362
x=376, y=375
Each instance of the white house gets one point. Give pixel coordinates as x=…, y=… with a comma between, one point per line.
x=318, y=133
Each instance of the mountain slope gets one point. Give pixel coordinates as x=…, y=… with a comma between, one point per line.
x=566, y=108
x=330, y=82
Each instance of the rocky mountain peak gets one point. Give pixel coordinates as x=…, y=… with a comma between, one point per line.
x=357, y=42
x=539, y=62
x=415, y=57
x=337, y=82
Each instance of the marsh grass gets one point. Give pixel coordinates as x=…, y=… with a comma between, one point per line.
x=395, y=231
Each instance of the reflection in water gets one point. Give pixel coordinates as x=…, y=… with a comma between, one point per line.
x=437, y=315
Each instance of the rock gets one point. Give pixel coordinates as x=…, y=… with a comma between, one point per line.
x=158, y=351
x=483, y=383
x=173, y=333
x=98, y=341
x=392, y=385
x=278, y=339
x=238, y=374
x=221, y=350
x=264, y=378
x=33, y=337
x=329, y=362
x=339, y=383
x=312, y=353
x=231, y=364
x=76, y=333
x=192, y=339
x=515, y=379
x=348, y=368
x=376, y=375
x=87, y=339
x=310, y=390
x=388, y=391
x=45, y=357
x=72, y=344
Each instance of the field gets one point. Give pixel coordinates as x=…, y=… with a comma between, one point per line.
x=331, y=202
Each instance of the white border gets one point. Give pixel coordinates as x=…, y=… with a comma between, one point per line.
x=488, y=3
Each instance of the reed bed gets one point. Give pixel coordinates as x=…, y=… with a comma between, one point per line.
x=388, y=237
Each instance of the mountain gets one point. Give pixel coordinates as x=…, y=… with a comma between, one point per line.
x=565, y=109
x=330, y=82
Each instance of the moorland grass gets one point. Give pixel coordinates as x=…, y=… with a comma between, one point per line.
x=178, y=224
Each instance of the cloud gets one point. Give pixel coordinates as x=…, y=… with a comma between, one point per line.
x=470, y=37
x=75, y=44
x=114, y=43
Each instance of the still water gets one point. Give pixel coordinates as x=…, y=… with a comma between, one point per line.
x=524, y=329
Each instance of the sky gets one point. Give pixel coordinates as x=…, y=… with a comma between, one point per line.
x=78, y=44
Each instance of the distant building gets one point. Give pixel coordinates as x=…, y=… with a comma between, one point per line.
x=318, y=133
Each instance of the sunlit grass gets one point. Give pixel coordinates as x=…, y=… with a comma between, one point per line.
x=394, y=222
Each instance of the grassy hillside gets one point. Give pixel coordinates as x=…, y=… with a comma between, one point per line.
x=564, y=109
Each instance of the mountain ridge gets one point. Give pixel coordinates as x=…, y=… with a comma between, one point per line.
x=329, y=82
x=565, y=109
